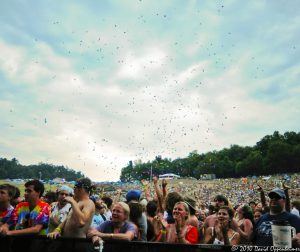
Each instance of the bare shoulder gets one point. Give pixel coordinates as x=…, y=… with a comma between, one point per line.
x=86, y=204
x=248, y=222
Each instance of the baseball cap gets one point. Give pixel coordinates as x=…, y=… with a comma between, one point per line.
x=133, y=195
x=277, y=192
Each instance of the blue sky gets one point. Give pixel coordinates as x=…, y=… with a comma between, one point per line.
x=94, y=84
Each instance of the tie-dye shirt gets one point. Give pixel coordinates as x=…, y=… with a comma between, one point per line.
x=5, y=215
x=22, y=217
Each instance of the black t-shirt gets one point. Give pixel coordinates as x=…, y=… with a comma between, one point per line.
x=263, y=229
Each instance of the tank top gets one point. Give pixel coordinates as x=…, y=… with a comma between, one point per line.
x=219, y=242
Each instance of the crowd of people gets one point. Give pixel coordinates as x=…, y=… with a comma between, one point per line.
x=225, y=212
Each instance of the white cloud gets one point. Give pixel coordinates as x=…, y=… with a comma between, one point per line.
x=144, y=93
x=135, y=66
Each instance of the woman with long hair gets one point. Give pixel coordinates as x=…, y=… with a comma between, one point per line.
x=244, y=224
x=222, y=232
x=180, y=231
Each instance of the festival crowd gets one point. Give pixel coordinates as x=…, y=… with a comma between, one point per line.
x=228, y=212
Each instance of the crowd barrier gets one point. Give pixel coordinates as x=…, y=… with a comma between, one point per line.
x=43, y=244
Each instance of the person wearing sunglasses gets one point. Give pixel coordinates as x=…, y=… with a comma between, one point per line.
x=81, y=214
x=263, y=230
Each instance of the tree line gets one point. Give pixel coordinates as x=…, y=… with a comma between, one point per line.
x=271, y=155
x=13, y=170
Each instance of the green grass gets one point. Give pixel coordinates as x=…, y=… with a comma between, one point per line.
x=21, y=186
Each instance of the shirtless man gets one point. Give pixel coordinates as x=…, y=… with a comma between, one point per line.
x=80, y=217
x=219, y=201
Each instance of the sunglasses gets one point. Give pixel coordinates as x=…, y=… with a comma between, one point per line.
x=275, y=196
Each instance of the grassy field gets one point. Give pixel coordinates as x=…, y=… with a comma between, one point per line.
x=21, y=187
x=48, y=187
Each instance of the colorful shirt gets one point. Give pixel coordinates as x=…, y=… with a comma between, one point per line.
x=22, y=217
x=5, y=215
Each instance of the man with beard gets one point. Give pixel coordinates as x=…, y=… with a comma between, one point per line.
x=263, y=230
x=82, y=211
x=61, y=208
x=219, y=200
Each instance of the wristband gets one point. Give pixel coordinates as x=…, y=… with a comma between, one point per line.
x=58, y=229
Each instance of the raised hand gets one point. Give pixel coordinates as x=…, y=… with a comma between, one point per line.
x=159, y=218
x=259, y=187
x=155, y=180
x=144, y=182
x=70, y=199
x=285, y=187
x=224, y=227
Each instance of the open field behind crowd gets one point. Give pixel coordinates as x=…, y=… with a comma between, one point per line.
x=237, y=190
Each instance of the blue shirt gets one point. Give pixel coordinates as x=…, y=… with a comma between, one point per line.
x=107, y=227
x=263, y=228
x=97, y=220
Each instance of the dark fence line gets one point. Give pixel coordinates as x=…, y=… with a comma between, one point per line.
x=43, y=244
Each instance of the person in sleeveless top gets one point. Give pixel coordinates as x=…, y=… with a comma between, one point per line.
x=244, y=223
x=180, y=231
x=222, y=233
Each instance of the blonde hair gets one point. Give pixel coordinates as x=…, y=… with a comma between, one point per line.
x=125, y=208
x=186, y=207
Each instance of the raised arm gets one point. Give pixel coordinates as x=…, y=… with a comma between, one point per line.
x=262, y=195
x=146, y=190
x=117, y=195
x=159, y=195
x=248, y=229
x=287, y=197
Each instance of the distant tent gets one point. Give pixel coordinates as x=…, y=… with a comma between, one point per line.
x=169, y=176
x=266, y=177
